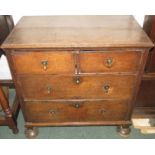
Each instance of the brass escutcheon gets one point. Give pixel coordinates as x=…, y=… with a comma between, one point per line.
x=106, y=88
x=109, y=62
x=77, y=105
x=77, y=80
x=103, y=111
x=49, y=89
x=52, y=111
x=45, y=64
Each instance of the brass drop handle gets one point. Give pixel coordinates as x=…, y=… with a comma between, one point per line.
x=77, y=105
x=49, y=89
x=103, y=111
x=45, y=64
x=77, y=80
x=52, y=111
x=109, y=62
x=106, y=88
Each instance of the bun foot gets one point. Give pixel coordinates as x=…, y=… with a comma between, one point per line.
x=123, y=131
x=31, y=132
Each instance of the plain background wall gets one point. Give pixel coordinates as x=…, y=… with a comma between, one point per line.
x=5, y=72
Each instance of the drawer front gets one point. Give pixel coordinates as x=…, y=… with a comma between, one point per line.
x=43, y=62
x=92, y=62
x=76, y=111
x=69, y=87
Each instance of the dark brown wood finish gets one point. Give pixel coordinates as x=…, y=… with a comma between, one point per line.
x=9, y=118
x=78, y=111
x=149, y=27
x=7, y=83
x=6, y=26
x=10, y=113
x=77, y=70
x=135, y=92
x=146, y=95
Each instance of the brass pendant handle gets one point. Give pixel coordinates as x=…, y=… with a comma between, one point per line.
x=49, y=89
x=77, y=105
x=109, y=62
x=45, y=64
x=106, y=88
x=52, y=111
x=103, y=111
x=77, y=80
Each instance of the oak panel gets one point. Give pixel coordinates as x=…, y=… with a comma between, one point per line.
x=69, y=112
x=93, y=61
x=32, y=62
x=77, y=31
x=65, y=87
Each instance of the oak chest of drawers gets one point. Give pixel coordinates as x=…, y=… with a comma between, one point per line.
x=77, y=70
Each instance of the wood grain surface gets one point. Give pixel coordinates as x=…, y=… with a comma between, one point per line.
x=77, y=31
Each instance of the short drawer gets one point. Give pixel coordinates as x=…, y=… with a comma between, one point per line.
x=76, y=111
x=43, y=62
x=71, y=87
x=96, y=62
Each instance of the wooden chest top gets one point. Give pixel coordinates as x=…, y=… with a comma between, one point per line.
x=77, y=32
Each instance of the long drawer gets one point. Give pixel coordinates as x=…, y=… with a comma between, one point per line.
x=67, y=62
x=76, y=111
x=71, y=87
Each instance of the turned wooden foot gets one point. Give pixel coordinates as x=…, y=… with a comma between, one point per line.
x=15, y=130
x=124, y=130
x=31, y=132
x=9, y=117
x=12, y=124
